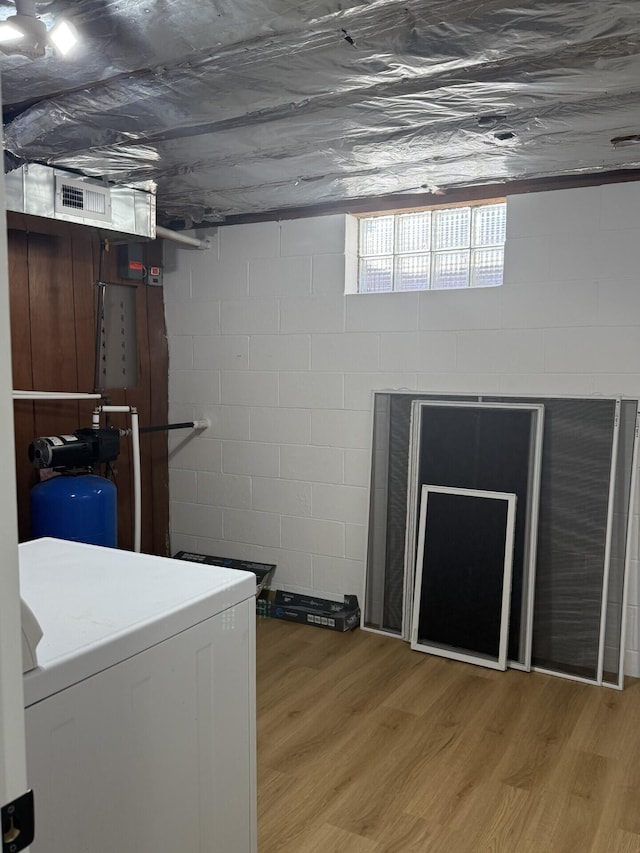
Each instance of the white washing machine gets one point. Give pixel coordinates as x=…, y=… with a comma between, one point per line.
x=140, y=716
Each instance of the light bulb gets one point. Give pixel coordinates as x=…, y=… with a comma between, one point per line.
x=9, y=33
x=63, y=36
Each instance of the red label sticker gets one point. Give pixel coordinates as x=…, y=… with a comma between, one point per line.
x=135, y=265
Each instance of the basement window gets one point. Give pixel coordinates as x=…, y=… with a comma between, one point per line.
x=441, y=248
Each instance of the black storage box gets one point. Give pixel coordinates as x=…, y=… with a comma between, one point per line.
x=333, y=615
x=262, y=571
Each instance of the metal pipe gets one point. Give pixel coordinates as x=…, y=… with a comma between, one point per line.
x=137, y=483
x=54, y=395
x=179, y=237
x=185, y=425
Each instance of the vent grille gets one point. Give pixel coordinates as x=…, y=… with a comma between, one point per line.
x=82, y=201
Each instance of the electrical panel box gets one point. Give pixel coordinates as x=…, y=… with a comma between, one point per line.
x=131, y=261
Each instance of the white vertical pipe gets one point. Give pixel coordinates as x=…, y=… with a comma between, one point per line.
x=95, y=419
x=137, y=479
x=137, y=482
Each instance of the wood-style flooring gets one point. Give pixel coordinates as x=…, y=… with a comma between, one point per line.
x=367, y=747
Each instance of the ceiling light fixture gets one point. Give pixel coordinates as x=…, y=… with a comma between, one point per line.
x=25, y=34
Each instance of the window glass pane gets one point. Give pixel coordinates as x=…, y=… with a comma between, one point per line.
x=376, y=235
x=451, y=228
x=414, y=232
x=486, y=267
x=376, y=275
x=412, y=272
x=490, y=225
x=450, y=269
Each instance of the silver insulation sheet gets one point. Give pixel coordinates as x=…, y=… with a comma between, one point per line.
x=243, y=106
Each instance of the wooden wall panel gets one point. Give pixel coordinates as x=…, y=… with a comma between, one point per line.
x=53, y=269
x=23, y=413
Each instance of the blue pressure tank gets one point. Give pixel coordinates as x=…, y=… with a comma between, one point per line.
x=79, y=507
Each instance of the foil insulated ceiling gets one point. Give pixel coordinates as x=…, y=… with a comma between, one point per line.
x=244, y=106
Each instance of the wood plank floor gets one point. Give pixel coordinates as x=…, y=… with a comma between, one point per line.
x=367, y=747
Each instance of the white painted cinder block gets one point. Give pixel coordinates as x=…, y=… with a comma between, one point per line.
x=279, y=276
x=224, y=490
x=357, y=465
x=467, y=382
x=549, y=304
x=194, y=386
x=312, y=464
x=341, y=428
x=249, y=316
x=356, y=541
x=312, y=390
x=502, y=351
x=259, y=528
x=192, y=519
x=337, y=576
x=350, y=351
x=592, y=350
x=196, y=454
x=290, y=426
x=220, y=279
x=339, y=503
x=328, y=274
x=359, y=387
x=314, y=536
x=252, y=387
x=280, y=352
x=574, y=256
x=183, y=485
x=526, y=260
x=382, y=312
x=312, y=236
x=418, y=351
x=226, y=421
x=313, y=314
x=618, y=302
x=563, y=384
x=618, y=254
x=249, y=457
x=620, y=205
x=180, y=352
x=473, y=308
x=221, y=352
x=288, y=497
x=193, y=318
x=253, y=240
x=182, y=542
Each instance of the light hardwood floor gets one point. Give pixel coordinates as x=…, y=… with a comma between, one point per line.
x=367, y=747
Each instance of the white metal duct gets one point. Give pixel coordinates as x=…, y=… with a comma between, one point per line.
x=56, y=194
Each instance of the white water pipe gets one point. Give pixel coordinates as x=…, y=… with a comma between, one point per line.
x=184, y=239
x=137, y=482
x=54, y=395
x=137, y=479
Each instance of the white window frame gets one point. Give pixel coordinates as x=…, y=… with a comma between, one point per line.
x=468, y=656
x=432, y=253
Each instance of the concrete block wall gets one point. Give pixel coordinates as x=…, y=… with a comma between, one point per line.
x=265, y=343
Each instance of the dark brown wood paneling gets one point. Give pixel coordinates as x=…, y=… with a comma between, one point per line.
x=158, y=453
x=53, y=269
x=23, y=414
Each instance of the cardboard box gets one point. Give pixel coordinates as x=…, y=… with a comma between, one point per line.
x=333, y=615
x=262, y=571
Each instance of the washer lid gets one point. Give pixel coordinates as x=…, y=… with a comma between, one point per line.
x=98, y=606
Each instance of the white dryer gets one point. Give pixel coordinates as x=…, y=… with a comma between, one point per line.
x=140, y=717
